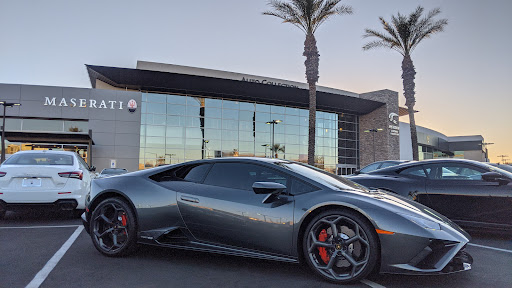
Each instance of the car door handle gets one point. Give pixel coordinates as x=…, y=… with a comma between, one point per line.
x=190, y=199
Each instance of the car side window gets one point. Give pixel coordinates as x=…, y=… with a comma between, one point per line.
x=387, y=164
x=415, y=172
x=457, y=172
x=194, y=173
x=242, y=175
x=82, y=161
x=370, y=168
x=300, y=187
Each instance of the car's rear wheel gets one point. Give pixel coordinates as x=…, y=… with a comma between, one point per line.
x=340, y=246
x=113, y=229
x=2, y=214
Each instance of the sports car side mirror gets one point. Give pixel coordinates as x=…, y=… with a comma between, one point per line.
x=268, y=187
x=92, y=168
x=495, y=177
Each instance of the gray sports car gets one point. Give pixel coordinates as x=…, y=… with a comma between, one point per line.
x=273, y=209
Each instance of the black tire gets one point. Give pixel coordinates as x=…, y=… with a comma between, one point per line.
x=109, y=234
x=2, y=214
x=356, y=246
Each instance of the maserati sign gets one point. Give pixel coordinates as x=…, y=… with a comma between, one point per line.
x=90, y=103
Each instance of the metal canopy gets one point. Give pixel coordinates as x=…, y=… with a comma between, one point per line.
x=165, y=82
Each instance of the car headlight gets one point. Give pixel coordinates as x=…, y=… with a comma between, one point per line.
x=425, y=223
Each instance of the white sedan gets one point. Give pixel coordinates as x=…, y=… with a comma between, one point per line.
x=58, y=180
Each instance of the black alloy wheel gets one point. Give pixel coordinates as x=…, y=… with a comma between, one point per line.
x=340, y=246
x=113, y=230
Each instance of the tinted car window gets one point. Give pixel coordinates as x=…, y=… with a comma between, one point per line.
x=370, y=168
x=242, y=175
x=456, y=172
x=197, y=173
x=388, y=164
x=300, y=187
x=414, y=171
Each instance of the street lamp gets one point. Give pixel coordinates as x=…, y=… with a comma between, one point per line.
x=373, y=131
x=273, y=123
x=206, y=148
x=5, y=104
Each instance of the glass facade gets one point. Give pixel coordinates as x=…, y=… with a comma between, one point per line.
x=178, y=128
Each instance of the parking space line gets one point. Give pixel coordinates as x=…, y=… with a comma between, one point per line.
x=371, y=283
x=36, y=227
x=492, y=248
x=41, y=275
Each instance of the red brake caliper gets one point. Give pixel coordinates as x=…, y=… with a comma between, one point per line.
x=321, y=250
x=124, y=220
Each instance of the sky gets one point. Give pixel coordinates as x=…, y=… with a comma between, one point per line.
x=463, y=80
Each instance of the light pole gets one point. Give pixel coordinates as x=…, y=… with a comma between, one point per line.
x=373, y=131
x=5, y=104
x=273, y=123
x=206, y=148
x=502, y=158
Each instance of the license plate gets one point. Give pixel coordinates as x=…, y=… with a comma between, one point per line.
x=31, y=182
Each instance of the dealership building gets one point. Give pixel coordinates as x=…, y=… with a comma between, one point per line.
x=161, y=114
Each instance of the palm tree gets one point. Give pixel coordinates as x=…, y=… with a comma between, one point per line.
x=403, y=35
x=278, y=148
x=308, y=15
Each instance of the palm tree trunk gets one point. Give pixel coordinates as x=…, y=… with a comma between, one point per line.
x=311, y=63
x=408, y=76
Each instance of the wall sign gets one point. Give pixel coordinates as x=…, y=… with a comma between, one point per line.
x=113, y=163
x=394, y=129
x=90, y=103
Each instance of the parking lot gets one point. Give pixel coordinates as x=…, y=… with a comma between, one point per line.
x=47, y=250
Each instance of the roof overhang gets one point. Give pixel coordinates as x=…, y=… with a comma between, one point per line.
x=168, y=82
x=49, y=137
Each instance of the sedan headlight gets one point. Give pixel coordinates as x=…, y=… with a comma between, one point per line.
x=425, y=223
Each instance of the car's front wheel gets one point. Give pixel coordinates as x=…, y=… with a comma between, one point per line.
x=113, y=229
x=340, y=246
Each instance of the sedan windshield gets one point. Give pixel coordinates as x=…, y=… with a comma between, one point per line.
x=39, y=159
x=321, y=176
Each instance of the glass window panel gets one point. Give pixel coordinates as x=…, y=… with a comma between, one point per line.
x=193, y=143
x=213, y=112
x=292, y=120
x=175, y=121
x=230, y=114
x=155, y=108
x=176, y=99
x=173, y=156
x=262, y=127
x=229, y=125
x=194, y=101
x=158, y=131
x=227, y=104
x=293, y=149
x=212, y=145
x=292, y=130
x=156, y=98
x=263, y=108
x=247, y=116
x=142, y=130
x=194, y=111
x=210, y=134
x=212, y=123
x=246, y=126
x=292, y=139
x=246, y=135
x=229, y=145
x=247, y=106
x=277, y=110
x=154, y=153
x=149, y=163
x=303, y=140
x=174, y=132
x=278, y=128
x=155, y=142
x=142, y=142
x=304, y=121
x=193, y=154
x=279, y=138
x=213, y=103
x=193, y=133
x=173, y=109
x=70, y=126
x=246, y=146
x=42, y=125
x=262, y=117
x=159, y=119
x=230, y=135
x=292, y=111
x=173, y=143
x=192, y=122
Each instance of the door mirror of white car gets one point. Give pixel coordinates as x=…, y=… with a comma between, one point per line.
x=92, y=168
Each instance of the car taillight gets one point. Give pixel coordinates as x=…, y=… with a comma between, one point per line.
x=2, y=174
x=75, y=175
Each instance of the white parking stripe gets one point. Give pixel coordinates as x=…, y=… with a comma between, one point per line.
x=36, y=227
x=371, y=284
x=492, y=248
x=41, y=276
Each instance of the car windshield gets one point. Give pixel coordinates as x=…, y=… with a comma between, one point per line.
x=113, y=171
x=501, y=169
x=39, y=159
x=322, y=176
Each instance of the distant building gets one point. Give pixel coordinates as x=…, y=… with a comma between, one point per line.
x=433, y=144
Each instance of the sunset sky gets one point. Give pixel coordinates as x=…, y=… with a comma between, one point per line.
x=463, y=80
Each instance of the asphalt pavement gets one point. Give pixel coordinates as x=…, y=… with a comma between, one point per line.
x=33, y=250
